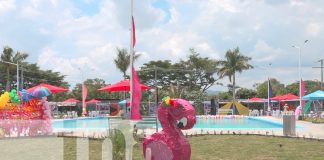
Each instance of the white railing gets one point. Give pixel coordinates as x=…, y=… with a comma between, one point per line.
x=225, y=111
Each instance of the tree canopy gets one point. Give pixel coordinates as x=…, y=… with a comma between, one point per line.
x=92, y=86
x=122, y=61
x=8, y=59
x=234, y=62
x=277, y=88
x=194, y=73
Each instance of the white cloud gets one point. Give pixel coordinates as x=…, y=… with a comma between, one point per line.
x=226, y=5
x=49, y=59
x=74, y=68
x=263, y=52
x=174, y=16
x=30, y=11
x=7, y=5
x=54, y=2
x=172, y=46
x=313, y=29
x=296, y=2
x=104, y=54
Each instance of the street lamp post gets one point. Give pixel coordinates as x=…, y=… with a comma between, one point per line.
x=157, y=94
x=17, y=71
x=321, y=73
x=321, y=67
x=84, y=109
x=268, y=77
x=269, y=96
x=299, y=72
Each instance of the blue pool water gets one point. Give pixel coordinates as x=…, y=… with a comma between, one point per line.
x=237, y=123
x=228, y=123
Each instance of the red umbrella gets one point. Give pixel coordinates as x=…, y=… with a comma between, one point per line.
x=71, y=100
x=121, y=86
x=255, y=99
x=288, y=96
x=53, y=89
x=93, y=101
x=279, y=97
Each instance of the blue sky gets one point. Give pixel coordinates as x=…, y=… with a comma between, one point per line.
x=66, y=35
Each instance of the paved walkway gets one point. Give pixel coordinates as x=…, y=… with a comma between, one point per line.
x=309, y=129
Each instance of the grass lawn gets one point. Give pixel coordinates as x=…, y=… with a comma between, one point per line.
x=213, y=147
x=208, y=147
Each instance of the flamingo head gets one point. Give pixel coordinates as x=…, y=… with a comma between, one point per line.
x=182, y=112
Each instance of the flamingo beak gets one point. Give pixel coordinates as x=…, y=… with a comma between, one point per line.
x=182, y=123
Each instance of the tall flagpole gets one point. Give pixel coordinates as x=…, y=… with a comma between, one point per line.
x=268, y=94
x=131, y=51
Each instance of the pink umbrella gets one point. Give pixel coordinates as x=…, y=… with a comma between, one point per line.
x=279, y=97
x=288, y=96
x=71, y=100
x=53, y=89
x=121, y=86
x=256, y=99
x=93, y=101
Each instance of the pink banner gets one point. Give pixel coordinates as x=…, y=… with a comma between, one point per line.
x=136, y=96
x=302, y=92
x=84, y=97
x=133, y=32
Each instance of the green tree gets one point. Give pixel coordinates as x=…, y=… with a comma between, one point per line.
x=122, y=61
x=224, y=95
x=310, y=86
x=33, y=75
x=92, y=86
x=200, y=72
x=277, y=88
x=234, y=62
x=197, y=97
x=244, y=93
x=292, y=88
x=156, y=73
x=195, y=73
x=8, y=56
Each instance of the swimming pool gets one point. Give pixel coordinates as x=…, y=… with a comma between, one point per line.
x=237, y=123
x=224, y=122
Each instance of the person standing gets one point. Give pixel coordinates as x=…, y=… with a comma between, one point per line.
x=285, y=109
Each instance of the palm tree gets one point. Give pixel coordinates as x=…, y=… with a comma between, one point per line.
x=122, y=61
x=234, y=62
x=7, y=56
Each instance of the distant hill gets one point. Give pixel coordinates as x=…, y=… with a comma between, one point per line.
x=212, y=92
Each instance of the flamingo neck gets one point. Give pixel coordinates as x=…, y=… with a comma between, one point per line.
x=167, y=122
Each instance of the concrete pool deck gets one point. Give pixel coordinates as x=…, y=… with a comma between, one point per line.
x=307, y=130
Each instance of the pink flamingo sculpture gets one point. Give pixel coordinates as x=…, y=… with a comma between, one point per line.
x=170, y=143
